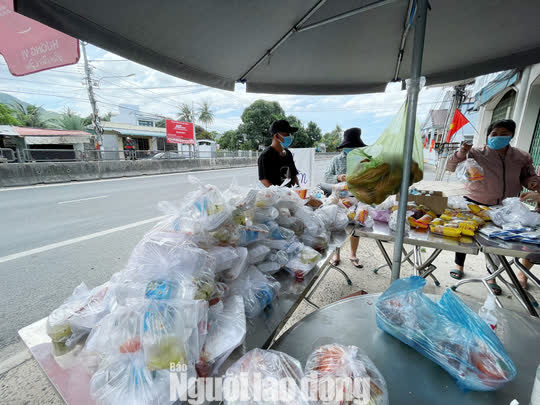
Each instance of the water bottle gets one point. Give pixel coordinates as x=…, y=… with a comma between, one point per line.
x=487, y=312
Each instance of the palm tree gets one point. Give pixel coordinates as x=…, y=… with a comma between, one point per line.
x=70, y=121
x=186, y=113
x=206, y=115
x=30, y=116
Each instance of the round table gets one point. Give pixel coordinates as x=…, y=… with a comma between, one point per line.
x=412, y=378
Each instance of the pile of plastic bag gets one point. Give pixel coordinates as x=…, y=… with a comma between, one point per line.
x=328, y=367
x=448, y=333
x=189, y=285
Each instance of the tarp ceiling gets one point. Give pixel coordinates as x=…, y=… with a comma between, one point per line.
x=217, y=42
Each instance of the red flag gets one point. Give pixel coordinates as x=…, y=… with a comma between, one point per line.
x=457, y=123
x=432, y=145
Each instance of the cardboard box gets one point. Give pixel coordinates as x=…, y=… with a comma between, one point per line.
x=434, y=200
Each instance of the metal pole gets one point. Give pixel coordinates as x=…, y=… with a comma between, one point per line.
x=98, y=130
x=410, y=125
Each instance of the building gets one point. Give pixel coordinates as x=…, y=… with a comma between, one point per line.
x=36, y=144
x=130, y=114
x=513, y=94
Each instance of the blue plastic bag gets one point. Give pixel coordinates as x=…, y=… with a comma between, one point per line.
x=448, y=333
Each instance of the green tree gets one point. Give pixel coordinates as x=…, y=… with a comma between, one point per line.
x=161, y=123
x=300, y=137
x=205, y=114
x=88, y=119
x=70, y=121
x=332, y=139
x=313, y=132
x=256, y=122
x=186, y=113
x=7, y=116
x=30, y=116
x=230, y=140
x=202, y=133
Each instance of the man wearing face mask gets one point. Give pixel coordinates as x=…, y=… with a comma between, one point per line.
x=336, y=173
x=506, y=171
x=276, y=164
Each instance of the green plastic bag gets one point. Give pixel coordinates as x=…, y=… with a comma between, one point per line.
x=374, y=172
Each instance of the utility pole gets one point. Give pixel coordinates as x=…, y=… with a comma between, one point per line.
x=98, y=129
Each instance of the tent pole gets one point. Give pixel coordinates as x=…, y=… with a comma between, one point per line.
x=412, y=100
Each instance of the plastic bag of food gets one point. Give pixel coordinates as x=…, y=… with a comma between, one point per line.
x=224, y=256
x=392, y=221
x=340, y=221
x=469, y=171
x=124, y=379
x=312, y=223
x=304, y=261
x=76, y=317
x=318, y=242
x=277, y=232
x=363, y=216
x=448, y=333
x=336, y=361
x=267, y=197
x=257, y=253
x=207, y=205
x=341, y=190
x=374, y=172
x=265, y=214
x=288, y=198
x=239, y=266
x=269, y=367
x=226, y=331
x=381, y=215
x=458, y=202
x=253, y=233
x=513, y=211
x=278, y=256
x=269, y=267
x=257, y=289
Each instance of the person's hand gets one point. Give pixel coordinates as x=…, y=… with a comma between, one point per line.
x=534, y=184
x=341, y=177
x=466, y=147
x=530, y=196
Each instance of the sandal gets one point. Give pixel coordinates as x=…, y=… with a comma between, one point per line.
x=522, y=278
x=356, y=263
x=335, y=262
x=456, y=274
x=495, y=288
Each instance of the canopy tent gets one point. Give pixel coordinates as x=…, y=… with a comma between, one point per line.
x=309, y=46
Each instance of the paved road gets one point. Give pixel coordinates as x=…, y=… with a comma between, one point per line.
x=55, y=237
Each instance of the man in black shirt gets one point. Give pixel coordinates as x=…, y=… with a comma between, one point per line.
x=276, y=164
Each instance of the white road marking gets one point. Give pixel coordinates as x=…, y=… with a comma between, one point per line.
x=73, y=183
x=83, y=199
x=77, y=240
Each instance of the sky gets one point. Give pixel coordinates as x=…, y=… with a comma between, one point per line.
x=160, y=94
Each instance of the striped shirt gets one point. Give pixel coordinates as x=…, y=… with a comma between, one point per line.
x=337, y=166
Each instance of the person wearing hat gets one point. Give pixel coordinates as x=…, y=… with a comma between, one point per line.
x=276, y=164
x=336, y=173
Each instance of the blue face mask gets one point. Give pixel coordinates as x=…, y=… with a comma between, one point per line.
x=287, y=141
x=498, y=142
x=347, y=150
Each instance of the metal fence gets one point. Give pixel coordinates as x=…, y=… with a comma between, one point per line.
x=71, y=155
x=7, y=155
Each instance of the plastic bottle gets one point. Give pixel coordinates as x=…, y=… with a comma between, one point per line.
x=487, y=312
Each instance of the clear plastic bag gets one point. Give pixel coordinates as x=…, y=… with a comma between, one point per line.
x=269, y=267
x=76, y=317
x=381, y=215
x=469, y=171
x=266, y=214
x=513, y=211
x=288, y=198
x=313, y=224
x=279, y=232
x=363, y=216
x=267, y=197
x=226, y=331
x=448, y=333
x=318, y=242
x=279, y=256
x=340, y=190
x=392, y=221
x=239, y=266
x=124, y=379
x=458, y=202
x=224, y=256
x=257, y=253
x=207, y=205
x=304, y=261
x=268, y=366
x=374, y=172
x=337, y=361
x=257, y=289
x=253, y=233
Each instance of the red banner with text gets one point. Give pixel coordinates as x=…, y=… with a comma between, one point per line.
x=180, y=132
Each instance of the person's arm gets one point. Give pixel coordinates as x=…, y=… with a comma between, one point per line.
x=459, y=156
x=331, y=175
x=528, y=178
x=262, y=171
x=293, y=170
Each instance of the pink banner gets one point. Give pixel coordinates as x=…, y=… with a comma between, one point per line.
x=29, y=46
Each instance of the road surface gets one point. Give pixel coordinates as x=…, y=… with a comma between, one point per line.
x=54, y=237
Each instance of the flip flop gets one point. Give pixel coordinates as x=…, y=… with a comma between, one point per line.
x=495, y=288
x=335, y=262
x=456, y=274
x=356, y=263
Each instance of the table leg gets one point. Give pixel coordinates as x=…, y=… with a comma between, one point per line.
x=420, y=266
x=518, y=286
